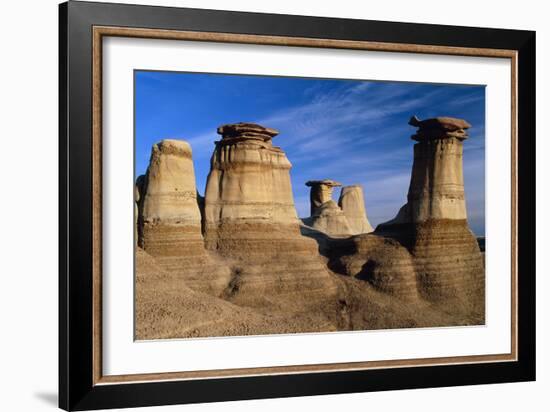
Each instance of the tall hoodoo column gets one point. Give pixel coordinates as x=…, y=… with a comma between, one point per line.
x=250, y=218
x=170, y=219
x=436, y=190
x=249, y=178
x=437, y=182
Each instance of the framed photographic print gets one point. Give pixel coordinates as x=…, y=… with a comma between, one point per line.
x=256, y=205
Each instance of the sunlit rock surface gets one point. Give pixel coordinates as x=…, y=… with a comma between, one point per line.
x=170, y=219
x=250, y=218
x=352, y=203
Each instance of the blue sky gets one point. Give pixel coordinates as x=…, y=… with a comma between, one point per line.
x=352, y=131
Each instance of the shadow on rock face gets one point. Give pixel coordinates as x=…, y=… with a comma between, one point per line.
x=368, y=271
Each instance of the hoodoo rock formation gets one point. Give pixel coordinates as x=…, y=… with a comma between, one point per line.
x=437, y=183
x=320, y=193
x=448, y=261
x=170, y=184
x=346, y=218
x=249, y=180
x=326, y=216
x=238, y=261
x=170, y=219
x=250, y=217
x=446, y=264
x=352, y=203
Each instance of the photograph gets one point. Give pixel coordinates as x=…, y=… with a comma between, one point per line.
x=274, y=204
x=283, y=205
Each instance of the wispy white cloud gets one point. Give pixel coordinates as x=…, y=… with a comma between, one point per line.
x=203, y=142
x=330, y=118
x=466, y=100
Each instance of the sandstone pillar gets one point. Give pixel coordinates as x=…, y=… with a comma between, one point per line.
x=251, y=219
x=249, y=180
x=249, y=177
x=320, y=193
x=352, y=203
x=326, y=216
x=170, y=213
x=170, y=219
x=433, y=222
x=436, y=190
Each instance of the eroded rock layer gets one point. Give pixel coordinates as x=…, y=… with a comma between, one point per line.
x=248, y=180
x=448, y=262
x=168, y=308
x=381, y=261
x=436, y=190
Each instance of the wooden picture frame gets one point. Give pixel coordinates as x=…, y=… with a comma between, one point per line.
x=82, y=386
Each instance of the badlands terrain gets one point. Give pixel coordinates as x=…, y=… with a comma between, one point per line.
x=239, y=261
